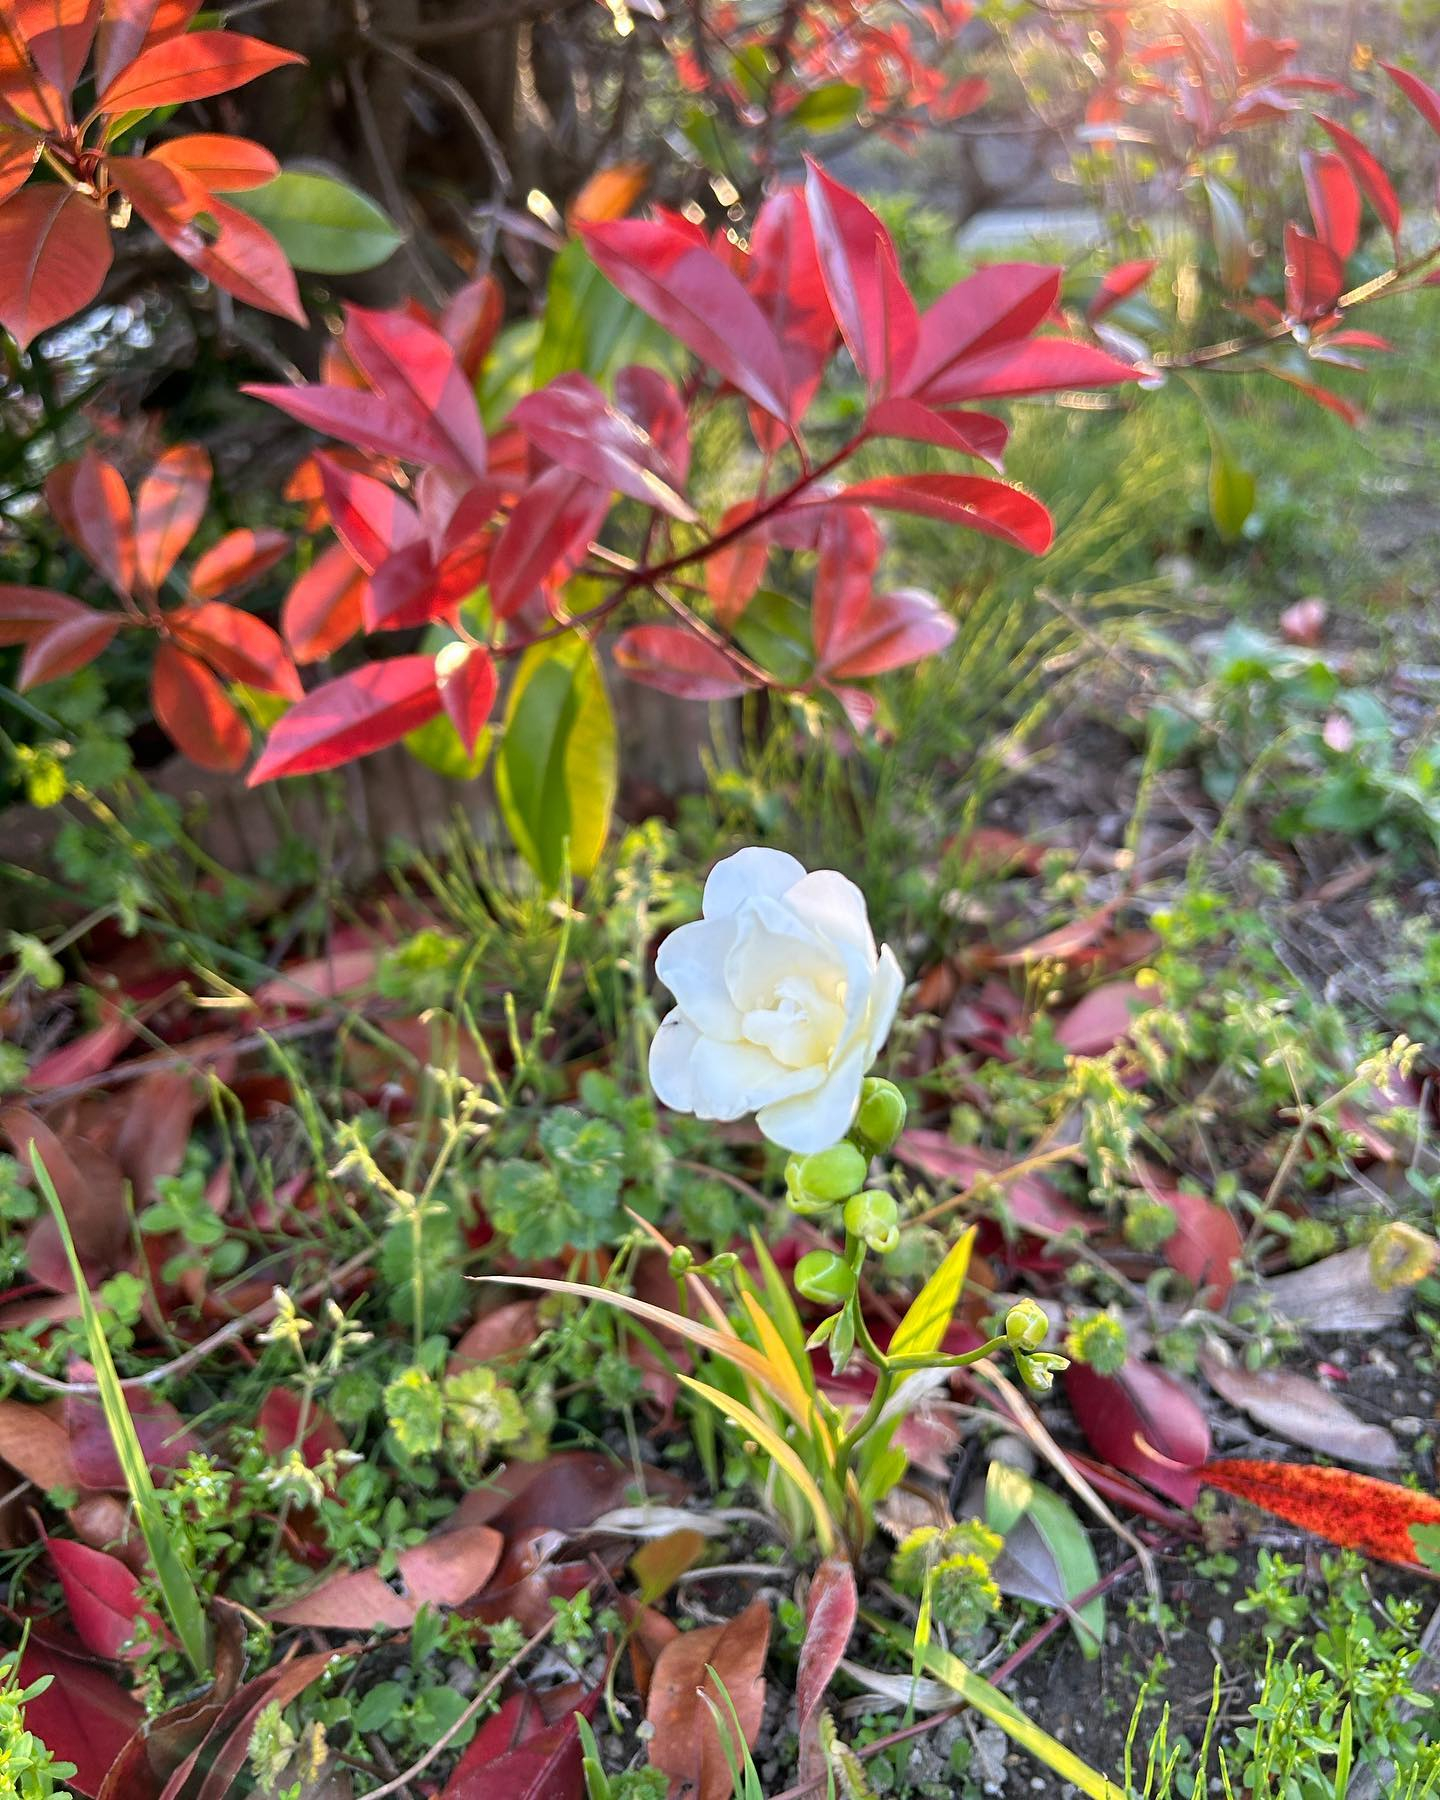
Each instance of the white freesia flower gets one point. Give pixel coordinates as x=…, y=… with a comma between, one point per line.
x=782, y=1002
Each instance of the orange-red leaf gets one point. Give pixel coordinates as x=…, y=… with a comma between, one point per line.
x=91, y=504
x=324, y=608
x=1359, y=1512
x=170, y=506
x=246, y=261
x=221, y=164
x=238, y=559
x=360, y=713
x=192, y=67
x=238, y=645
x=195, y=712
x=129, y=26
x=19, y=152
x=686, y=1743
x=66, y=647
x=54, y=254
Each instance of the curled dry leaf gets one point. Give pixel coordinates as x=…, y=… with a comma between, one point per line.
x=686, y=1744
x=1292, y=1405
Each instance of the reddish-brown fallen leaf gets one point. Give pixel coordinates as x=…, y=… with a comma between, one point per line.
x=505, y=1330
x=161, y=1431
x=1144, y=1421
x=1299, y=1409
x=226, y=1745
x=565, y=1492
x=1206, y=1242
x=84, y=1715
x=1034, y=1203
x=280, y=1425
x=446, y=1570
x=92, y=1192
x=829, y=1619
x=686, y=1744
x=36, y=1446
x=1101, y=1019
x=103, y=1597
x=1359, y=1512
x=518, y=1755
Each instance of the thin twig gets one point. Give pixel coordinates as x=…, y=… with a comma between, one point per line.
x=456, y=94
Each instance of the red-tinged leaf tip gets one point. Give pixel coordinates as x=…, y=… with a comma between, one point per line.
x=1360, y=1512
x=466, y=677
x=193, y=66
x=352, y=717
x=830, y=1614
x=239, y=558
x=1334, y=201
x=55, y=252
x=994, y=307
x=1314, y=275
x=1374, y=183
x=410, y=365
x=678, y=662
x=1118, y=284
x=870, y=302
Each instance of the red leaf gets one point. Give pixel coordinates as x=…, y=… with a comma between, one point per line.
x=445, y=1570
x=27, y=612
x=126, y=26
x=167, y=199
x=237, y=645
x=1118, y=284
x=54, y=254
x=550, y=529
x=470, y=322
x=86, y=1055
x=972, y=433
x=246, y=261
x=1334, y=201
x=221, y=164
x=369, y=421
x=370, y=518
x=84, y=1715
x=170, y=506
x=540, y=1764
x=164, y=1440
x=785, y=278
x=686, y=1742
x=992, y=308
x=1038, y=366
x=324, y=608
x=92, y=1193
x=238, y=559
x=1314, y=275
x=191, y=67
x=1321, y=396
x=830, y=1612
x=678, y=662
x=25, y=92
x=1420, y=94
x=871, y=304
x=893, y=630
x=284, y=1426
x=195, y=712
x=970, y=500
x=59, y=34
x=572, y=423
x=850, y=546
x=1360, y=1512
x=1035, y=1204
x=412, y=368
x=1145, y=1423
x=734, y=573
x=66, y=647
x=36, y=1446
x=467, y=681
x=92, y=503
x=361, y=712
x=1101, y=1019
x=689, y=291
x=223, y=1753
x=102, y=1595
x=19, y=152
x=1206, y=1240
x=1374, y=182
x=645, y=396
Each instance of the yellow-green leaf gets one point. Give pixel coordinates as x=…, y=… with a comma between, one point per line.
x=922, y=1331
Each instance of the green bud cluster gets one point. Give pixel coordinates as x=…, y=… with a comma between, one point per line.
x=1026, y=1325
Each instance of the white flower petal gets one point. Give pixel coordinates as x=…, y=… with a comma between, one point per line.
x=731, y=1080
x=885, y=995
x=835, y=907
x=670, y=1053
x=748, y=873
x=773, y=945
x=816, y=1120
x=691, y=963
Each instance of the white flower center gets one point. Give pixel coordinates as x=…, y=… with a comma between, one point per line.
x=802, y=1024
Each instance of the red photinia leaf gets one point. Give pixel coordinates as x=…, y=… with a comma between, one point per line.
x=246, y=261
x=830, y=1612
x=1206, y=1241
x=689, y=291
x=678, y=662
x=127, y=26
x=686, y=1742
x=225, y=1749
x=410, y=366
x=1420, y=94
x=1034, y=1203
x=1118, y=284
x=59, y=34
x=1145, y=1422
x=446, y=1570
x=369, y=421
x=167, y=199
x=972, y=433
x=164, y=1439
x=238, y=559
x=644, y=395
x=236, y=645
x=1359, y=1512
x=524, y=1758
x=470, y=322
x=221, y=164
x=572, y=423
x=1101, y=1019
x=849, y=547
x=1313, y=391
x=102, y=1596
x=195, y=712
x=1374, y=182
x=970, y=500
x=871, y=304
x=24, y=91
x=66, y=647
x=1037, y=366
x=325, y=607
x=84, y=1710
x=169, y=507
x=1314, y=275
x=552, y=525
x=371, y=520
x=19, y=152
x=1334, y=201
x=84, y=1056
x=893, y=630
x=27, y=613
x=733, y=574
x=191, y=67
x=36, y=1446
x=991, y=308
x=467, y=681
x=360, y=713
x=786, y=281
x=92, y=504
x=92, y=1193
x=54, y=254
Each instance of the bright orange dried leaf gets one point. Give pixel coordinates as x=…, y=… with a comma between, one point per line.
x=1358, y=1512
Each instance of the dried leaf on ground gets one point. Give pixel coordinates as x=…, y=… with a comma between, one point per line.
x=446, y=1570
x=1337, y=1294
x=1359, y=1512
x=686, y=1743
x=1290, y=1404
x=830, y=1614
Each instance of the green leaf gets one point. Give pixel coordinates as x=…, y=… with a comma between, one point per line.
x=1232, y=239
x=827, y=108
x=556, y=770
x=775, y=632
x=1232, y=489
x=1067, y=1541
x=922, y=1330
x=1426, y=1539
x=437, y=745
x=1008, y=1493
x=323, y=225
x=589, y=324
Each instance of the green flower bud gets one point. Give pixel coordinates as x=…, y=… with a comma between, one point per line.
x=881, y=1117
x=875, y=1218
x=1026, y=1324
x=682, y=1261
x=824, y=1277
x=1039, y=1368
x=824, y=1178
x=720, y=1264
